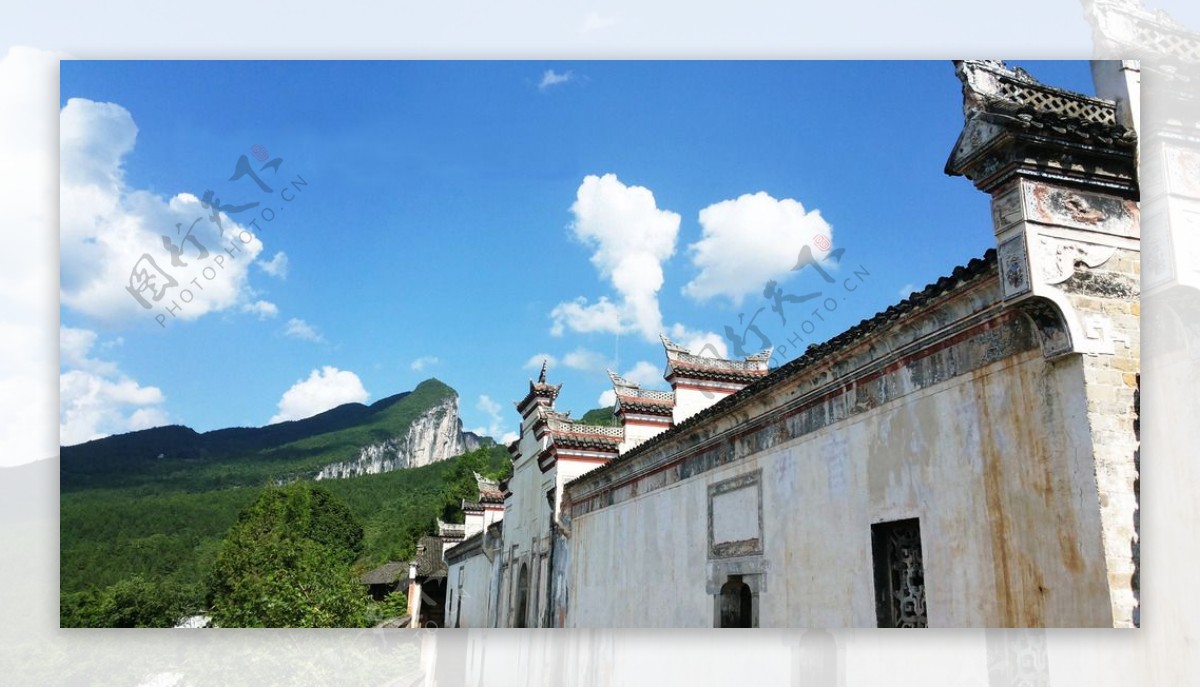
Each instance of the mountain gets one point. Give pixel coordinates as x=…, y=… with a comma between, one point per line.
x=408, y=429
x=600, y=416
x=143, y=514
x=434, y=435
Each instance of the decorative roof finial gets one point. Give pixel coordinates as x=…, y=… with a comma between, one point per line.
x=542, y=377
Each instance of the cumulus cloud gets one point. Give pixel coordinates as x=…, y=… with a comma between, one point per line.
x=496, y=427
x=424, y=362
x=277, y=266
x=747, y=241
x=126, y=252
x=586, y=359
x=701, y=343
x=323, y=389
x=262, y=309
x=580, y=316
x=630, y=237
x=96, y=399
x=535, y=362
x=645, y=374
x=299, y=329
x=607, y=398
x=551, y=78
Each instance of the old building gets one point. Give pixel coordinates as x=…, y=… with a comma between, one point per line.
x=967, y=457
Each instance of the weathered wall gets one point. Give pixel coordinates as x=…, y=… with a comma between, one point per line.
x=951, y=415
x=1108, y=300
x=470, y=580
x=987, y=463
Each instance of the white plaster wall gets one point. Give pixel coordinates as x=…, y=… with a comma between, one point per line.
x=636, y=433
x=996, y=464
x=473, y=575
x=689, y=402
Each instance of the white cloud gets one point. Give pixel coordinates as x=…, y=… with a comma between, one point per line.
x=299, y=329
x=263, y=309
x=535, y=362
x=277, y=266
x=645, y=374
x=907, y=290
x=750, y=240
x=324, y=389
x=95, y=398
x=578, y=316
x=109, y=230
x=708, y=344
x=595, y=22
x=28, y=253
x=552, y=78
x=586, y=359
x=424, y=362
x=607, y=398
x=631, y=237
x=496, y=427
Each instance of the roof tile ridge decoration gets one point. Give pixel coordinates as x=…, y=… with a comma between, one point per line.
x=680, y=358
x=632, y=392
x=1128, y=29
x=962, y=274
x=491, y=497
x=995, y=92
x=560, y=425
x=540, y=389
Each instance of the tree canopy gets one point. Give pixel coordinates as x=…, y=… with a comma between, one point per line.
x=287, y=563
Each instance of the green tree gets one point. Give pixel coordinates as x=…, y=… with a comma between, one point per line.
x=287, y=563
x=130, y=603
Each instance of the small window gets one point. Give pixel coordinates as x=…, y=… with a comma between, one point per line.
x=899, y=574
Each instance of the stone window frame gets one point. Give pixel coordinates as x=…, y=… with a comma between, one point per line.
x=879, y=531
x=741, y=558
x=740, y=548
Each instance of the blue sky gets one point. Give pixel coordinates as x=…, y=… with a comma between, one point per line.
x=461, y=219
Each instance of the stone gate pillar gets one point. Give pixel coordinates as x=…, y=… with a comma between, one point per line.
x=1061, y=169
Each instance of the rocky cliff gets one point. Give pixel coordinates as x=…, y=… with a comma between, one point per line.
x=435, y=435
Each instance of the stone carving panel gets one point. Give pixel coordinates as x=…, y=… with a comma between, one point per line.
x=1058, y=257
x=1006, y=209
x=1054, y=205
x=1014, y=267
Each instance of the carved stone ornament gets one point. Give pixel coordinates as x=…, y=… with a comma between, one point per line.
x=1014, y=267
x=1058, y=257
x=1053, y=330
